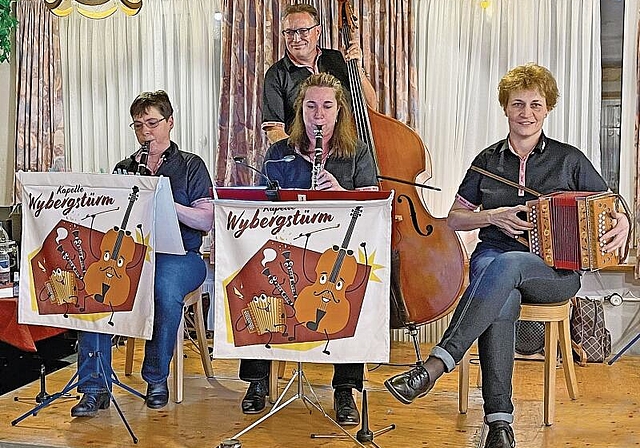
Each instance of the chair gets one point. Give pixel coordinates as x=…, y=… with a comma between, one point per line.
x=556, y=319
x=177, y=365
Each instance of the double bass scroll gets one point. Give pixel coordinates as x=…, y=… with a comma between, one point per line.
x=427, y=257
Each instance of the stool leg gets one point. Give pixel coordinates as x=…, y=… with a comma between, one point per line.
x=550, y=358
x=178, y=364
x=128, y=362
x=564, y=333
x=463, y=383
x=201, y=335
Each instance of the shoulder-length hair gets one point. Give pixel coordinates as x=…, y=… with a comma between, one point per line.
x=343, y=140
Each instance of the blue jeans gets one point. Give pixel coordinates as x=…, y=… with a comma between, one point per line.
x=488, y=310
x=175, y=277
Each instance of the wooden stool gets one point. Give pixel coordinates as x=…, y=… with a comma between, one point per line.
x=177, y=366
x=556, y=329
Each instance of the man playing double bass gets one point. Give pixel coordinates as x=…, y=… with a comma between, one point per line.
x=301, y=29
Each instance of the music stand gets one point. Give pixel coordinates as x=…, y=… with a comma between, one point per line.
x=42, y=394
x=299, y=395
x=364, y=434
x=73, y=383
x=283, y=194
x=165, y=233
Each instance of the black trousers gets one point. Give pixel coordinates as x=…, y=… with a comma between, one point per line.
x=344, y=375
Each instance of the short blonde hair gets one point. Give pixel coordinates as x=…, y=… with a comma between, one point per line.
x=528, y=77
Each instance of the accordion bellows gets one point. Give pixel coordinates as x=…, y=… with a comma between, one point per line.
x=568, y=228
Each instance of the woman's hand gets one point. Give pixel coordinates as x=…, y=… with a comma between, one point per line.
x=616, y=238
x=506, y=218
x=326, y=181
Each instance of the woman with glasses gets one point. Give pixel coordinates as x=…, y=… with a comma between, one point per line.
x=301, y=30
x=175, y=275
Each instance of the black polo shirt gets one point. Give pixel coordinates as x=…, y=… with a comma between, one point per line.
x=552, y=166
x=190, y=183
x=283, y=79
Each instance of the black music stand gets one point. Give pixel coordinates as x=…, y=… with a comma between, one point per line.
x=42, y=394
x=74, y=382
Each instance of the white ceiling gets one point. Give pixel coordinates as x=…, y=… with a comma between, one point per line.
x=612, y=14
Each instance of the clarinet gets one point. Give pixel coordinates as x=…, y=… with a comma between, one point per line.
x=317, y=161
x=143, y=170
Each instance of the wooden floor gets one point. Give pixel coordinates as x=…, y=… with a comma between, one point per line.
x=606, y=414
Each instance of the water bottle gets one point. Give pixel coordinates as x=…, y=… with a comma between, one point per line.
x=5, y=266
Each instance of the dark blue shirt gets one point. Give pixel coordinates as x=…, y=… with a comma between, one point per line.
x=352, y=172
x=190, y=181
x=552, y=166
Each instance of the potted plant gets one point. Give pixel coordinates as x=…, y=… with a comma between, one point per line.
x=7, y=24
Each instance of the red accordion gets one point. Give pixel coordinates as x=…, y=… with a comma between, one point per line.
x=568, y=228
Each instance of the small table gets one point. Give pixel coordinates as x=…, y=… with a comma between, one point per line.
x=21, y=336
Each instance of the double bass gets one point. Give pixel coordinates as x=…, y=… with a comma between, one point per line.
x=427, y=259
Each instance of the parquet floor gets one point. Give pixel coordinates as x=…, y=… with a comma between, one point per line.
x=606, y=414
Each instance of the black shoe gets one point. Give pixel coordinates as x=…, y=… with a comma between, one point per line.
x=500, y=435
x=410, y=385
x=157, y=395
x=346, y=410
x=90, y=403
x=254, y=400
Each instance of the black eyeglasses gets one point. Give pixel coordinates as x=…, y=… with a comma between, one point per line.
x=301, y=32
x=150, y=123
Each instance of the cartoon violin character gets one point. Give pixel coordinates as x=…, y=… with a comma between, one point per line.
x=323, y=305
x=107, y=279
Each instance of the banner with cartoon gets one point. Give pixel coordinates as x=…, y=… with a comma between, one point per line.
x=302, y=281
x=88, y=245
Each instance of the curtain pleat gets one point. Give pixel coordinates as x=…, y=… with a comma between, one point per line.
x=464, y=50
x=252, y=43
x=40, y=141
x=172, y=45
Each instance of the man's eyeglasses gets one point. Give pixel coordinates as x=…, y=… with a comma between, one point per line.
x=150, y=123
x=301, y=32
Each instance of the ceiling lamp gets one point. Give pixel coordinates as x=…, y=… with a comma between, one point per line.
x=94, y=9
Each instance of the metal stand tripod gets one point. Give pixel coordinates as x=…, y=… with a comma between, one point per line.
x=43, y=395
x=364, y=434
x=299, y=395
x=73, y=383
